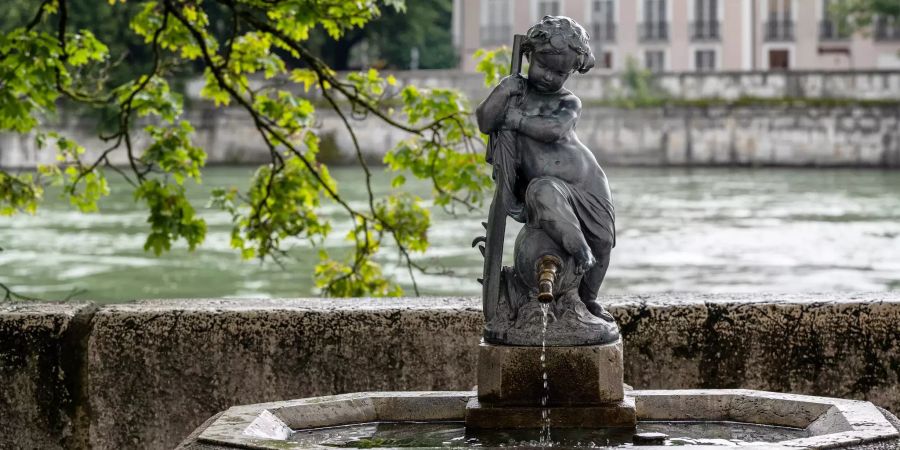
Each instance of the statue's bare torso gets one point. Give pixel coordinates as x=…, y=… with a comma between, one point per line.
x=565, y=158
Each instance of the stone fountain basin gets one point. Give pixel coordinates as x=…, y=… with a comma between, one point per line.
x=830, y=422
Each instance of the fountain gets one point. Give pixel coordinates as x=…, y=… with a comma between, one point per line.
x=550, y=364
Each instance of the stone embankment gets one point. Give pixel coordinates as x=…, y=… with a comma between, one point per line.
x=859, y=84
x=144, y=375
x=793, y=135
x=849, y=119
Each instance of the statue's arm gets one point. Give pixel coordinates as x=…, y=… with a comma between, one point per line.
x=551, y=127
x=491, y=112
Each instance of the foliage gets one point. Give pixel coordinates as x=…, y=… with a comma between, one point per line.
x=422, y=24
x=861, y=14
x=494, y=64
x=130, y=56
x=639, y=88
x=47, y=60
x=425, y=25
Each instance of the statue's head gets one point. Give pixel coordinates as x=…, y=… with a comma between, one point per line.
x=555, y=47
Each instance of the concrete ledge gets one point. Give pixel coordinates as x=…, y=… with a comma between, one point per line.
x=41, y=350
x=151, y=372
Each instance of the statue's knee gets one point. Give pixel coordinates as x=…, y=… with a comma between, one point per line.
x=542, y=191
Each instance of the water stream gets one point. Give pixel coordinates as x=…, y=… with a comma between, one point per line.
x=545, y=440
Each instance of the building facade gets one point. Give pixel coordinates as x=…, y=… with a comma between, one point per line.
x=690, y=35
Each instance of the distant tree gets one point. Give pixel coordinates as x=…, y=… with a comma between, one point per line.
x=425, y=25
x=129, y=55
x=47, y=60
x=862, y=14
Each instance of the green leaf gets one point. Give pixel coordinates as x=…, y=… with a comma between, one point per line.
x=171, y=216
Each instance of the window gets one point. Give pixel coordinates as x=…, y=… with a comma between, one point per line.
x=780, y=24
x=706, y=10
x=496, y=27
x=706, y=20
x=654, y=11
x=548, y=8
x=655, y=60
x=830, y=28
x=606, y=60
x=655, y=27
x=603, y=20
x=779, y=60
x=705, y=60
x=779, y=9
x=887, y=29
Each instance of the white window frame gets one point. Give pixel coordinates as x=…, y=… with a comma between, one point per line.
x=791, y=47
x=692, y=9
x=717, y=55
x=640, y=10
x=535, y=8
x=485, y=12
x=486, y=16
x=665, y=62
x=792, y=55
x=794, y=5
x=613, y=59
x=617, y=21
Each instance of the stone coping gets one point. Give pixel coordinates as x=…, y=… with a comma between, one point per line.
x=831, y=422
x=453, y=303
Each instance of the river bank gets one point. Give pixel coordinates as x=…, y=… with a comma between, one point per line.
x=790, y=134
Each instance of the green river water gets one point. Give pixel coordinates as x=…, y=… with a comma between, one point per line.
x=679, y=230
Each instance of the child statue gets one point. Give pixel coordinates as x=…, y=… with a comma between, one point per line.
x=555, y=183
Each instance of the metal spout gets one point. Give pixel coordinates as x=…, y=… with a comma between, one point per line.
x=547, y=269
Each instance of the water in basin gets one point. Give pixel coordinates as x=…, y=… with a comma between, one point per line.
x=455, y=434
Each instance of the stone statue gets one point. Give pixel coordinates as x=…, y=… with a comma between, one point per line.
x=548, y=180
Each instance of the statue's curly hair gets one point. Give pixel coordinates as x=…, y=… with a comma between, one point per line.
x=560, y=32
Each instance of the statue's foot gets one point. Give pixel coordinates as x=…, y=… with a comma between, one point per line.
x=599, y=311
x=584, y=260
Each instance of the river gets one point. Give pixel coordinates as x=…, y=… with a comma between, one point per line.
x=679, y=230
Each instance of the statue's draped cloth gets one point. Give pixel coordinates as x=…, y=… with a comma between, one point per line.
x=592, y=211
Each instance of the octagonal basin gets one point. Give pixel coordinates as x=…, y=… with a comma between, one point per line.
x=689, y=418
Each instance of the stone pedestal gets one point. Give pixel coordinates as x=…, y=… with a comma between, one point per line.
x=612, y=415
x=584, y=383
x=583, y=375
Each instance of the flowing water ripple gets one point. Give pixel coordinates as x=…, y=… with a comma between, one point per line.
x=687, y=230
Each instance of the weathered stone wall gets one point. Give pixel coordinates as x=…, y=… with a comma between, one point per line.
x=860, y=84
x=41, y=376
x=749, y=136
x=850, y=136
x=144, y=375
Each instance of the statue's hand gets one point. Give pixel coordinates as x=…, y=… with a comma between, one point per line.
x=513, y=118
x=512, y=85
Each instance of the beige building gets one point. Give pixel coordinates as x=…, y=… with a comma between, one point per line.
x=689, y=35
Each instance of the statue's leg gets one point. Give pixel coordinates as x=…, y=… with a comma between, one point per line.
x=589, y=288
x=550, y=209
